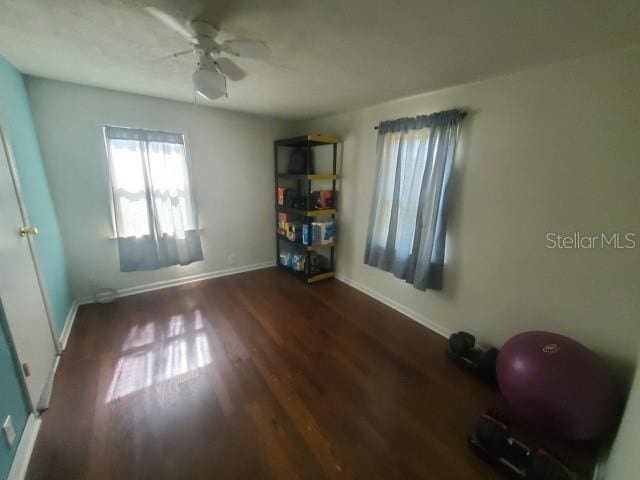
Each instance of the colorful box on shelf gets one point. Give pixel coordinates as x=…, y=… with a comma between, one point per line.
x=283, y=218
x=282, y=193
x=319, y=233
x=293, y=231
x=322, y=199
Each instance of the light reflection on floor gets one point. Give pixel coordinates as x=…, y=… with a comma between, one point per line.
x=151, y=355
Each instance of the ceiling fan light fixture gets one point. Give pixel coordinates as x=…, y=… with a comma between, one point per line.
x=209, y=83
x=210, y=78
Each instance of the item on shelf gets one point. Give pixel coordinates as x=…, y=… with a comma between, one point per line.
x=293, y=231
x=462, y=349
x=306, y=233
x=322, y=199
x=286, y=259
x=558, y=384
x=323, y=232
x=282, y=194
x=301, y=162
x=301, y=202
x=298, y=261
x=283, y=218
x=314, y=263
x=292, y=200
x=289, y=198
x=491, y=439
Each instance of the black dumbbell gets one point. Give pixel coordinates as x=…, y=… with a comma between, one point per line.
x=461, y=343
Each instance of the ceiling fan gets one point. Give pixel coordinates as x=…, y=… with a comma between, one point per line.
x=213, y=69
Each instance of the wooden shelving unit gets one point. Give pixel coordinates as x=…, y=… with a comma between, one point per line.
x=304, y=185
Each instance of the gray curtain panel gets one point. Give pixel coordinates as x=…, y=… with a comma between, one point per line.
x=407, y=226
x=155, y=217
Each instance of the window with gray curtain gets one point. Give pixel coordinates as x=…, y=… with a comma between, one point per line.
x=155, y=218
x=407, y=226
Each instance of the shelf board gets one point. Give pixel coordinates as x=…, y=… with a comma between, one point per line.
x=319, y=138
x=312, y=140
x=307, y=213
x=312, y=279
x=321, y=276
x=312, y=176
x=309, y=248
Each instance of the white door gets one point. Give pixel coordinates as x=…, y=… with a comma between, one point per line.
x=20, y=291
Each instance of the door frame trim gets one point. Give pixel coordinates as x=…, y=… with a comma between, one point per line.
x=22, y=457
x=15, y=180
x=4, y=326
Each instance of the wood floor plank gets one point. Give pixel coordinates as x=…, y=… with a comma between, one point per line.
x=257, y=376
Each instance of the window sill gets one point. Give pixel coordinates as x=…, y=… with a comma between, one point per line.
x=113, y=237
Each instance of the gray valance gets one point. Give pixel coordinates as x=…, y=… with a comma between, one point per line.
x=122, y=133
x=438, y=119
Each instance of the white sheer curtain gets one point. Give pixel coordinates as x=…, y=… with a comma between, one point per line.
x=154, y=214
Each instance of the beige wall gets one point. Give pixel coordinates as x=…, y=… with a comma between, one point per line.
x=555, y=149
x=231, y=157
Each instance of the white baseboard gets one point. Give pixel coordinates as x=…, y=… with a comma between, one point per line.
x=25, y=449
x=182, y=280
x=68, y=325
x=413, y=315
x=45, y=397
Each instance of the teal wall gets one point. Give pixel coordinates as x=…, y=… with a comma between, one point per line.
x=17, y=122
x=12, y=400
x=18, y=128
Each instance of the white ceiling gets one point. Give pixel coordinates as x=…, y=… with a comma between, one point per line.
x=328, y=56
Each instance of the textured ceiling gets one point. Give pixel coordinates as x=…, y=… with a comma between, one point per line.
x=328, y=56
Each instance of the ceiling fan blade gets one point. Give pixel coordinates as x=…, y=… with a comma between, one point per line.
x=230, y=69
x=173, y=55
x=170, y=22
x=246, y=48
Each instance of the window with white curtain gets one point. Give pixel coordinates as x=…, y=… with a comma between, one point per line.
x=407, y=226
x=154, y=213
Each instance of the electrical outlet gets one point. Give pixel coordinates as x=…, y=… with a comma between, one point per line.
x=231, y=259
x=9, y=431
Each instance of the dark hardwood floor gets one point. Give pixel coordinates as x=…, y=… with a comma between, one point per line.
x=257, y=376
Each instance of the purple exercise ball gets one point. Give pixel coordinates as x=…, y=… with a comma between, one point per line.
x=557, y=383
